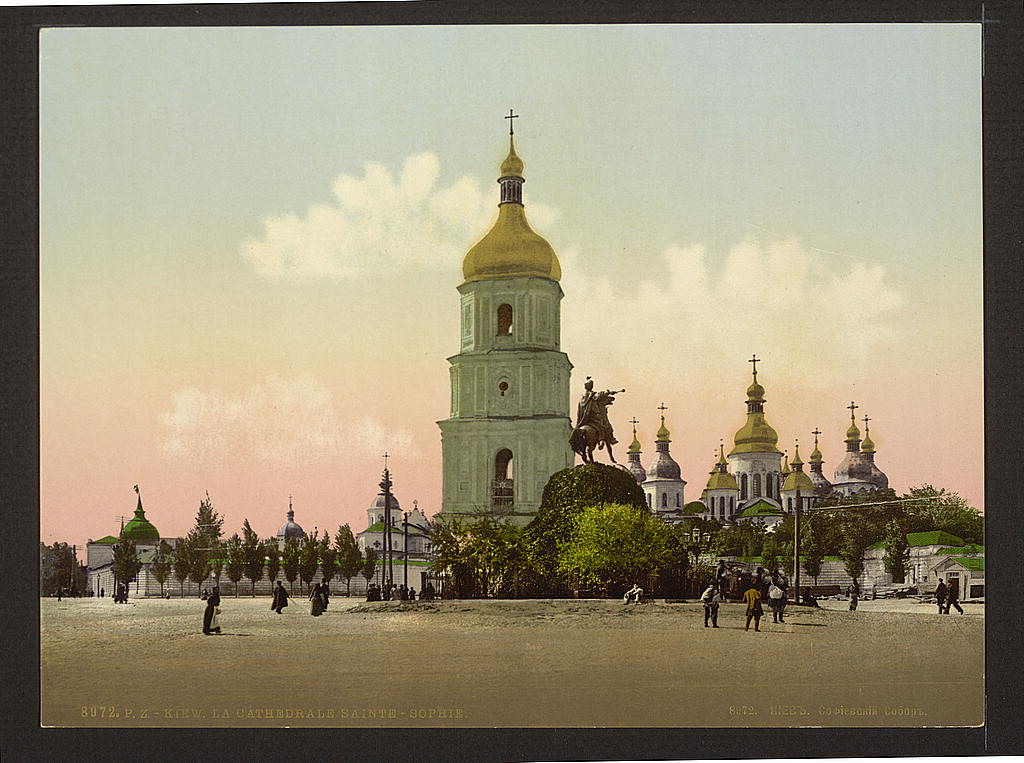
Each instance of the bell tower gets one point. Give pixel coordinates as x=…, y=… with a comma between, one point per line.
x=508, y=430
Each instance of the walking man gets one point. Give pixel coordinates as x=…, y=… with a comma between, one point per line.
x=940, y=596
x=711, y=598
x=854, y=593
x=953, y=596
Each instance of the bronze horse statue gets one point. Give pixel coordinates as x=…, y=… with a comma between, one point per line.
x=594, y=431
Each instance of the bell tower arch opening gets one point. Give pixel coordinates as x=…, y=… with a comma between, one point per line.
x=503, y=494
x=504, y=320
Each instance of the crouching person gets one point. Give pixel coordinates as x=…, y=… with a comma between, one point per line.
x=633, y=595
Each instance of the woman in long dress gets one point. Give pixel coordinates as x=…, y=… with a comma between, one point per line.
x=317, y=606
x=210, y=624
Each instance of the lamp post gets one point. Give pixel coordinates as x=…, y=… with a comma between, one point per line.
x=796, y=548
x=405, y=550
x=376, y=545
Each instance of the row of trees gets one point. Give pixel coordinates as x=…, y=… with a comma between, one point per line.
x=59, y=569
x=204, y=551
x=595, y=533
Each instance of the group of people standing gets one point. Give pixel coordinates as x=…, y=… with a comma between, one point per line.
x=391, y=592
x=947, y=596
x=762, y=587
x=319, y=598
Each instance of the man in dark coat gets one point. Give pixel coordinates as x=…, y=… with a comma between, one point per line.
x=325, y=593
x=212, y=602
x=722, y=578
x=280, y=598
x=953, y=596
x=940, y=596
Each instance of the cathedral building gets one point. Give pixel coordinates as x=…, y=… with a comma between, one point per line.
x=755, y=482
x=509, y=426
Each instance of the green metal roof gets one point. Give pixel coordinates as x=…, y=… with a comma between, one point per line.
x=971, y=562
x=934, y=538
x=970, y=548
x=109, y=540
x=762, y=509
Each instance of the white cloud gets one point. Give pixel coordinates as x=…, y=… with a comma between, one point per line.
x=379, y=224
x=279, y=422
x=779, y=297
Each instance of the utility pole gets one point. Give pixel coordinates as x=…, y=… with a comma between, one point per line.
x=385, y=485
x=796, y=547
x=405, y=549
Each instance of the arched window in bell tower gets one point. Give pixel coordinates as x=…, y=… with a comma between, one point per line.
x=502, y=494
x=743, y=487
x=504, y=320
x=757, y=486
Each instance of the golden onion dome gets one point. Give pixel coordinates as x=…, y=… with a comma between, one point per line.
x=815, y=454
x=755, y=392
x=513, y=165
x=634, y=447
x=756, y=436
x=797, y=480
x=868, y=445
x=785, y=466
x=852, y=433
x=663, y=432
x=722, y=481
x=511, y=248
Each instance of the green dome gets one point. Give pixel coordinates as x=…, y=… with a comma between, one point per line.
x=140, y=528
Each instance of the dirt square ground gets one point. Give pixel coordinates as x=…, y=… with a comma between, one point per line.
x=538, y=663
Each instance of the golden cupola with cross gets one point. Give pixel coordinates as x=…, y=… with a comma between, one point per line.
x=755, y=459
x=509, y=426
x=511, y=248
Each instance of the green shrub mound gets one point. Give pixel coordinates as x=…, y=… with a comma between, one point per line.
x=567, y=493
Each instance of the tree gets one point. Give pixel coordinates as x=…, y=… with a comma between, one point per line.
x=897, y=551
x=290, y=558
x=161, y=567
x=328, y=558
x=273, y=556
x=56, y=567
x=182, y=561
x=199, y=567
x=855, y=537
x=252, y=555
x=938, y=509
x=812, y=544
x=126, y=564
x=350, y=558
x=770, y=555
x=207, y=546
x=309, y=558
x=369, y=565
x=616, y=544
x=235, y=560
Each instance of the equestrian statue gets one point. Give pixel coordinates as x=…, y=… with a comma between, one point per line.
x=593, y=430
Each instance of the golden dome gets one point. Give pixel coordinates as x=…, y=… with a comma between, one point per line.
x=663, y=432
x=756, y=436
x=511, y=249
x=513, y=165
x=796, y=480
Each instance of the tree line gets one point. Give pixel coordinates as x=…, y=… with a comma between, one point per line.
x=595, y=535
x=205, y=551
